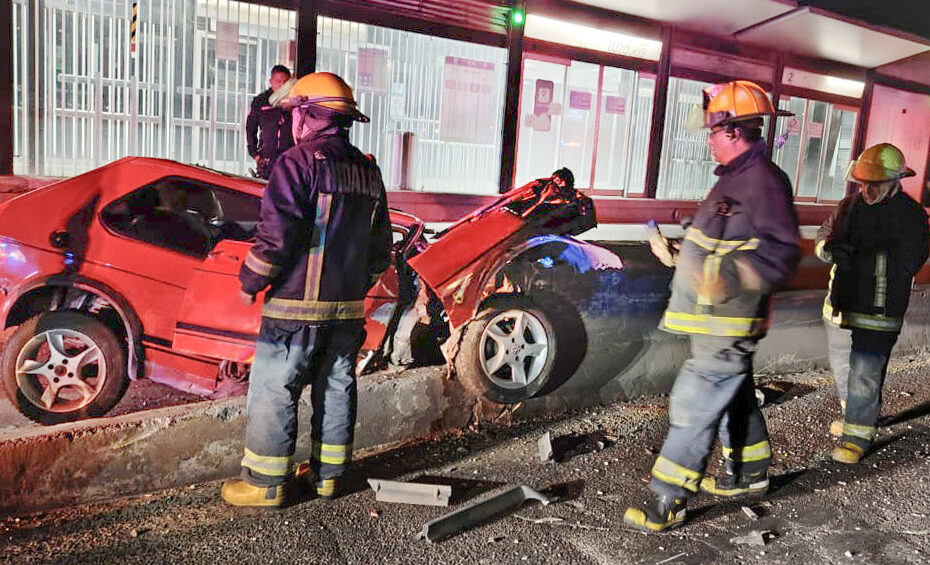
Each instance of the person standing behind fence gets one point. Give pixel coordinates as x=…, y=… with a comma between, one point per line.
x=876, y=240
x=268, y=128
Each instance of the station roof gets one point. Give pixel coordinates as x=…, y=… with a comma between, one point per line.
x=857, y=35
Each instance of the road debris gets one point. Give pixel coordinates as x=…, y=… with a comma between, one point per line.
x=544, y=448
x=374, y=512
x=672, y=558
x=749, y=512
x=479, y=512
x=411, y=493
x=755, y=537
x=546, y=520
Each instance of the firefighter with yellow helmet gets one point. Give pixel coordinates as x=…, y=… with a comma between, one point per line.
x=876, y=240
x=323, y=239
x=741, y=246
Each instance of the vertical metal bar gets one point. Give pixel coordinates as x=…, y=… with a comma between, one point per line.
x=776, y=94
x=307, y=12
x=659, y=104
x=512, y=98
x=865, y=109
x=6, y=90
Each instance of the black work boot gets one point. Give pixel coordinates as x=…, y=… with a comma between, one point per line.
x=659, y=514
x=736, y=485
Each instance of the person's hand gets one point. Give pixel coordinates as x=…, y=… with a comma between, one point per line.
x=664, y=251
x=246, y=298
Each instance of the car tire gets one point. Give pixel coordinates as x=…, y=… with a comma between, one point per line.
x=38, y=379
x=493, y=352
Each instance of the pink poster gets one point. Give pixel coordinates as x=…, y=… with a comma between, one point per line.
x=615, y=105
x=227, y=41
x=543, y=99
x=815, y=129
x=372, y=71
x=469, y=106
x=579, y=100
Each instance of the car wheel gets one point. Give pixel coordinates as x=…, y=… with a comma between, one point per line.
x=511, y=351
x=63, y=366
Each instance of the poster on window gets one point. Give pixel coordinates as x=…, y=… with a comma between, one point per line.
x=372, y=73
x=615, y=105
x=468, y=102
x=227, y=41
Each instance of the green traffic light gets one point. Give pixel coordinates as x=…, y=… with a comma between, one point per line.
x=516, y=17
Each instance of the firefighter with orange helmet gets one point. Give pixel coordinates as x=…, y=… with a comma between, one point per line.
x=741, y=246
x=323, y=239
x=876, y=240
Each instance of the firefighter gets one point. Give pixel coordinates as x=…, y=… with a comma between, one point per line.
x=323, y=240
x=268, y=127
x=742, y=245
x=877, y=240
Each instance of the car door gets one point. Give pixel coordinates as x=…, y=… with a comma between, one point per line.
x=214, y=321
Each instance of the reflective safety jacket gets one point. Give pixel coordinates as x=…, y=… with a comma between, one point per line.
x=324, y=235
x=748, y=219
x=876, y=251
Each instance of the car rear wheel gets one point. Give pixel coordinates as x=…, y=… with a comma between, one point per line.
x=511, y=352
x=63, y=366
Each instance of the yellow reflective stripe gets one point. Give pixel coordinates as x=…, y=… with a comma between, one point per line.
x=269, y=465
x=881, y=282
x=755, y=452
x=260, y=267
x=707, y=324
x=720, y=246
x=315, y=255
x=818, y=249
x=313, y=310
x=674, y=474
x=872, y=322
x=331, y=453
x=855, y=430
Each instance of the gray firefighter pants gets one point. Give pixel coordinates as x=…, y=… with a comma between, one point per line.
x=868, y=363
x=290, y=355
x=713, y=394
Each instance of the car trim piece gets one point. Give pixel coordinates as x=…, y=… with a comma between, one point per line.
x=480, y=512
x=411, y=493
x=156, y=340
x=215, y=331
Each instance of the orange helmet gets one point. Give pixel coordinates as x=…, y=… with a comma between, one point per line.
x=879, y=163
x=736, y=101
x=322, y=90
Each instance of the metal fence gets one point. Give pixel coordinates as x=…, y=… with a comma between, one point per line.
x=81, y=98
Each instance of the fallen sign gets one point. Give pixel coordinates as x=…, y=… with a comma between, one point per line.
x=479, y=512
x=410, y=493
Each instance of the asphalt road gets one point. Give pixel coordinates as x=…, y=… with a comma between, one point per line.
x=817, y=511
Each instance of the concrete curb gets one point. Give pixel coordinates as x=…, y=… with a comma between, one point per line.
x=100, y=459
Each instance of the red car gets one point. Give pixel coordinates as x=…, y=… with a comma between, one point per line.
x=130, y=271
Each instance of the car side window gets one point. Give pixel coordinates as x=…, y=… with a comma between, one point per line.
x=182, y=215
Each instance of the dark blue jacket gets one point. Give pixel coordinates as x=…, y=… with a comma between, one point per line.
x=747, y=216
x=324, y=235
x=267, y=129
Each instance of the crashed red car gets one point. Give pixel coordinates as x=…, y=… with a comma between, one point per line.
x=130, y=271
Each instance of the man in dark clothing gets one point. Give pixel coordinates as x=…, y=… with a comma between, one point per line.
x=877, y=240
x=268, y=127
x=741, y=246
x=323, y=240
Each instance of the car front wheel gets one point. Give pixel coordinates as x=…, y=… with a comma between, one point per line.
x=511, y=352
x=63, y=366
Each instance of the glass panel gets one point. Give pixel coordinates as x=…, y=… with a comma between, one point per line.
x=538, y=151
x=838, y=154
x=686, y=169
x=623, y=135
x=577, y=142
x=812, y=149
x=183, y=94
x=436, y=104
x=788, y=139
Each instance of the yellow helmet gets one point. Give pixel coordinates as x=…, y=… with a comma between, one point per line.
x=736, y=101
x=323, y=90
x=879, y=163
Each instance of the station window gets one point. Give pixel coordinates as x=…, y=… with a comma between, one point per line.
x=436, y=104
x=813, y=147
x=593, y=119
x=686, y=168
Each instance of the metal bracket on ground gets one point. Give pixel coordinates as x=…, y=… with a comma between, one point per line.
x=479, y=512
x=410, y=493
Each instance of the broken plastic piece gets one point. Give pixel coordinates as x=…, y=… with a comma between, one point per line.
x=544, y=447
x=479, y=512
x=410, y=493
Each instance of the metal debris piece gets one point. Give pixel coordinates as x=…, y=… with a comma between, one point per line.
x=410, y=493
x=544, y=447
x=754, y=537
x=546, y=520
x=750, y=512
x=479, y=512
